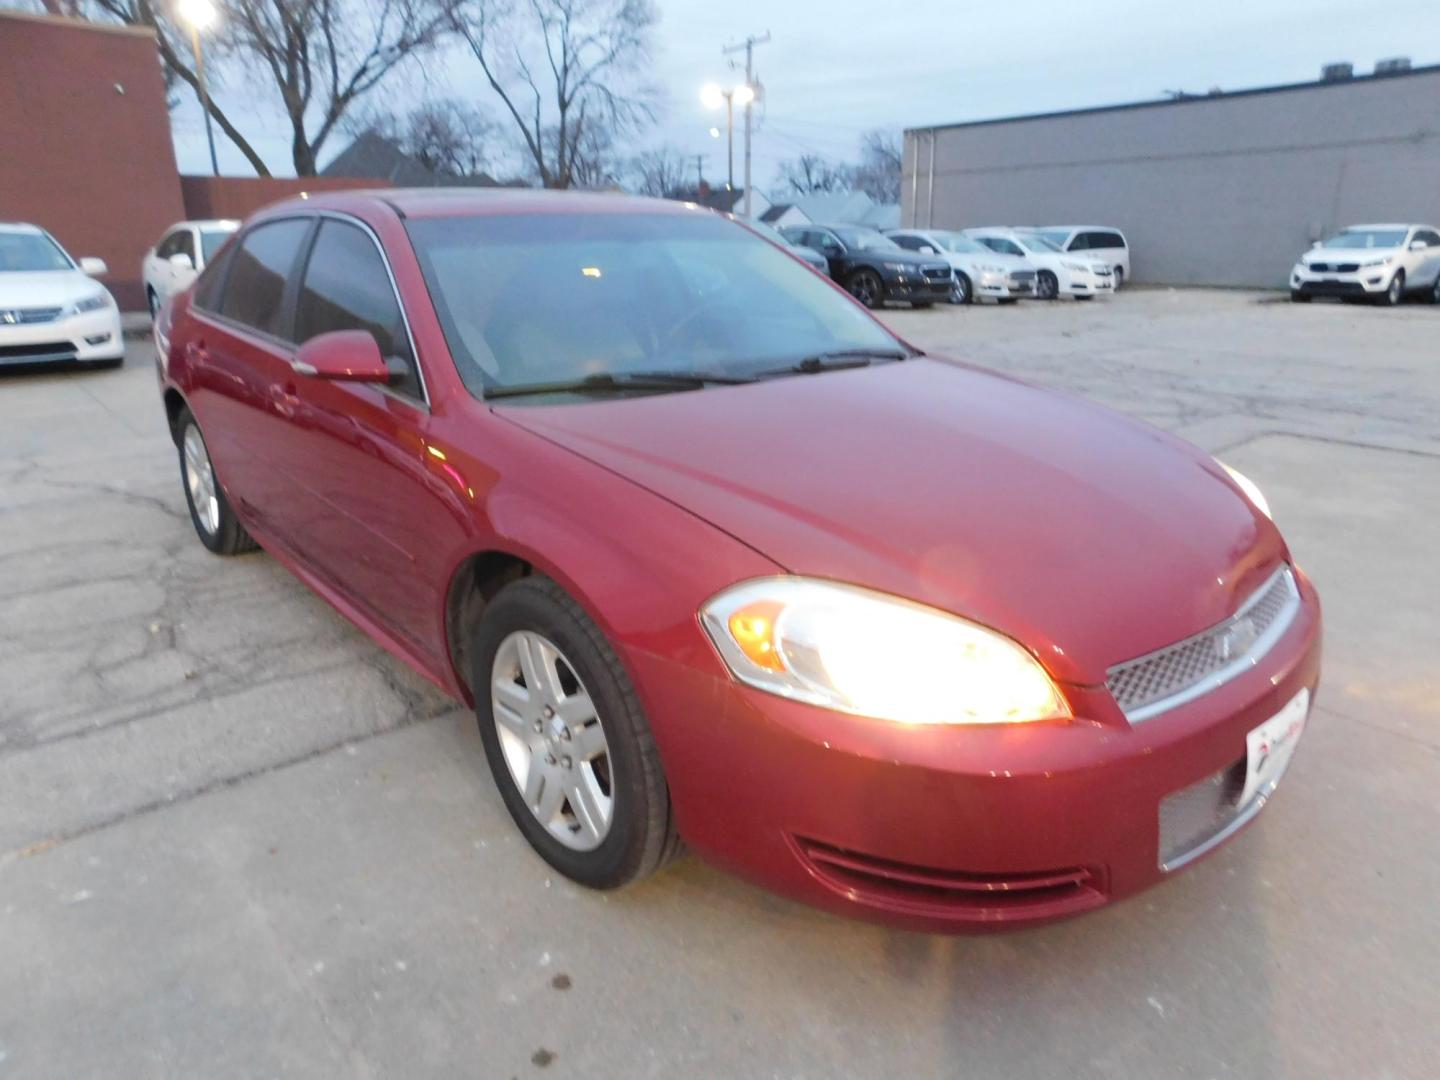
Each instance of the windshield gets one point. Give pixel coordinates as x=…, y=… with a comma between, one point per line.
x=211, y=241
x=1035, y=242
x=963, y=244
x=866, y=240
x=538, y=298
x=1055, y=237
x=1368, y=238
x=27, y=251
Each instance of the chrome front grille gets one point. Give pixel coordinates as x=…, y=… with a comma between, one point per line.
x=32, y=316
x=1181, y=672
x=936, y=273
x=1022, y=275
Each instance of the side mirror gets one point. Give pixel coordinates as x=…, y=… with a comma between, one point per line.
x=1418, y=245
x=93, y=266
x=181, y=261
x=1314, y=244
x=342, y=355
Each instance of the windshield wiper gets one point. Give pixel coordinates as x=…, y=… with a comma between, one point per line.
x=619, y=382
x=836, y=360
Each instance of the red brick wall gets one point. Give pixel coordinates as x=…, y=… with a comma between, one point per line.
x=241, y=196
x=85, y=146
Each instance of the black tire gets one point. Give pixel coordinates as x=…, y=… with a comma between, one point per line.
x=153, y=302
x=961, y=289
x=1119, y=277
x=642, y=836
x=1435, y=291
x=1394, y=295
x=1090, y=297
x=866, y=286
x=1047, y=285
x=1006, y=301
x=229, y=536
x=1298, y=297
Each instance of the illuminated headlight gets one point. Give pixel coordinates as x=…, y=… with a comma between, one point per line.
x=857, y=651
x=93, y=302
x=1248, y=486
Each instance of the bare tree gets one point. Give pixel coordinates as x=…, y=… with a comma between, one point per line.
x=878, y=174
x=590, y=57
x=663, y=172
x=324, y=55
x=174, y=55
x=811, y=173
x=449, y=137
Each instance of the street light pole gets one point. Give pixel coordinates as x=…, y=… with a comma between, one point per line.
x=749, y=46
x=730, y=138
x=200, y=15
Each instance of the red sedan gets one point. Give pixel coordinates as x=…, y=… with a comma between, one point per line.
x=715, y=555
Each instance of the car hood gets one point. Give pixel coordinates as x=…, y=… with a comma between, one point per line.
x=1354, y=255
x=44, y=288
x=1089, y=537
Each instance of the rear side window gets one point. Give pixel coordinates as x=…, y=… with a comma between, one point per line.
x=1080, y=242
x=259, y=268
x=907, y=241
x=347, y=287
x=206, y=295
x=1106, y=240
x=1429, y=236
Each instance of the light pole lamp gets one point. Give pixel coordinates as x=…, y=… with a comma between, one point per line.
x=200, y=15
x=712, y=96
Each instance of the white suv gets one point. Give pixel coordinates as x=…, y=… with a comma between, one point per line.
x=979, y=271
x=186, y=248
x=1057, y=273
x=1094, y=242
x=1371, y=262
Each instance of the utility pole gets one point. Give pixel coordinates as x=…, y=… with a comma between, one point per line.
x=699, y=171
x=749, y=46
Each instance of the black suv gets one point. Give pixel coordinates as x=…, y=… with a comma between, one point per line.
x=873, y=267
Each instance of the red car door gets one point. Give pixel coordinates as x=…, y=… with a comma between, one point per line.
x=239, y=362
x=383, y=513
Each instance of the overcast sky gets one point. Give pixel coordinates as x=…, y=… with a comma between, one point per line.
x=835, y=69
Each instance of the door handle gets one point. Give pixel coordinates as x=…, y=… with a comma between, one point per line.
x=196, y=352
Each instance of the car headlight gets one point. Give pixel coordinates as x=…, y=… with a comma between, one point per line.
x=93, y=302
x=899, y=268
x=1074, y=265
x=1249, y=487
x=987, y=269
x=1385, y=261
x=857, y=651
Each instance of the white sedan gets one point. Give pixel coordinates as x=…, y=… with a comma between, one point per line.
x=1056, y=272
x=979, y=271
x=186, y=248
x=1371, y=262
x=51, y=308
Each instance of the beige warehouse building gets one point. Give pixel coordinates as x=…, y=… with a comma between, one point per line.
x=1221, y=189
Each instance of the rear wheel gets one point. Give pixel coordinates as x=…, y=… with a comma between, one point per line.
x=567, y=739
x=210, y=511
x=866, y=286
x=1047, y=286
x=153, y=302
x=961, y=291
x=1396, y=292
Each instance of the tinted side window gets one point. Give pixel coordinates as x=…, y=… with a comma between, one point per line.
x=206, y=294
x=255, y=287
x=1100, y=240
x=184, y=244
x=166, y=247
x=907, y=241
x=346, y=287
x=1429, y=236
x=1112, y=240
x=1079, y=242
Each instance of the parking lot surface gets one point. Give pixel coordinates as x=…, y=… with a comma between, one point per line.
x=239, y=840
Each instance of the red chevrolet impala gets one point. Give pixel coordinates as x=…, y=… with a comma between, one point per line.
x=717, y=556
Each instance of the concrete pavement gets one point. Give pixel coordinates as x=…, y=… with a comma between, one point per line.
x=238, y=840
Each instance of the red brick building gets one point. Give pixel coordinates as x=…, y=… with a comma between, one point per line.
x=85, y=146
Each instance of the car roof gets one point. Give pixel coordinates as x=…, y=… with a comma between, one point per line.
x=1384, y=225
x=479, y=202
x=21, y=227
x=209, y=223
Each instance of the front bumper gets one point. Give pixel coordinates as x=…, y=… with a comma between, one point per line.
x=1088, y=285
x=1363, y=281
x=92, y=337
x=915, y=288
x=950, y=829
x=1003, y=286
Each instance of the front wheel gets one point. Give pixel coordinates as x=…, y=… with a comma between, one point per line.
x=567, y=740
x=1396, y=292
x=153, y=302
x=1119, y=277
x=1435, y=291
x=1047, y=286
x=210, y=511
x=866, y=286
x=961, y=291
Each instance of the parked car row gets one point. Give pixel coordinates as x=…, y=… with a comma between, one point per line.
x=923, y=266
x=1381, y=263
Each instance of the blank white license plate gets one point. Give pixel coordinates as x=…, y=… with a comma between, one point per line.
x=1269, y=747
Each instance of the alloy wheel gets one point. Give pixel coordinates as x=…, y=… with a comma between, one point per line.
x=1396, y=292
x=200, y=480
x=865, y=288
x=552, y=739
x=1047, y=287
x=960, y=290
